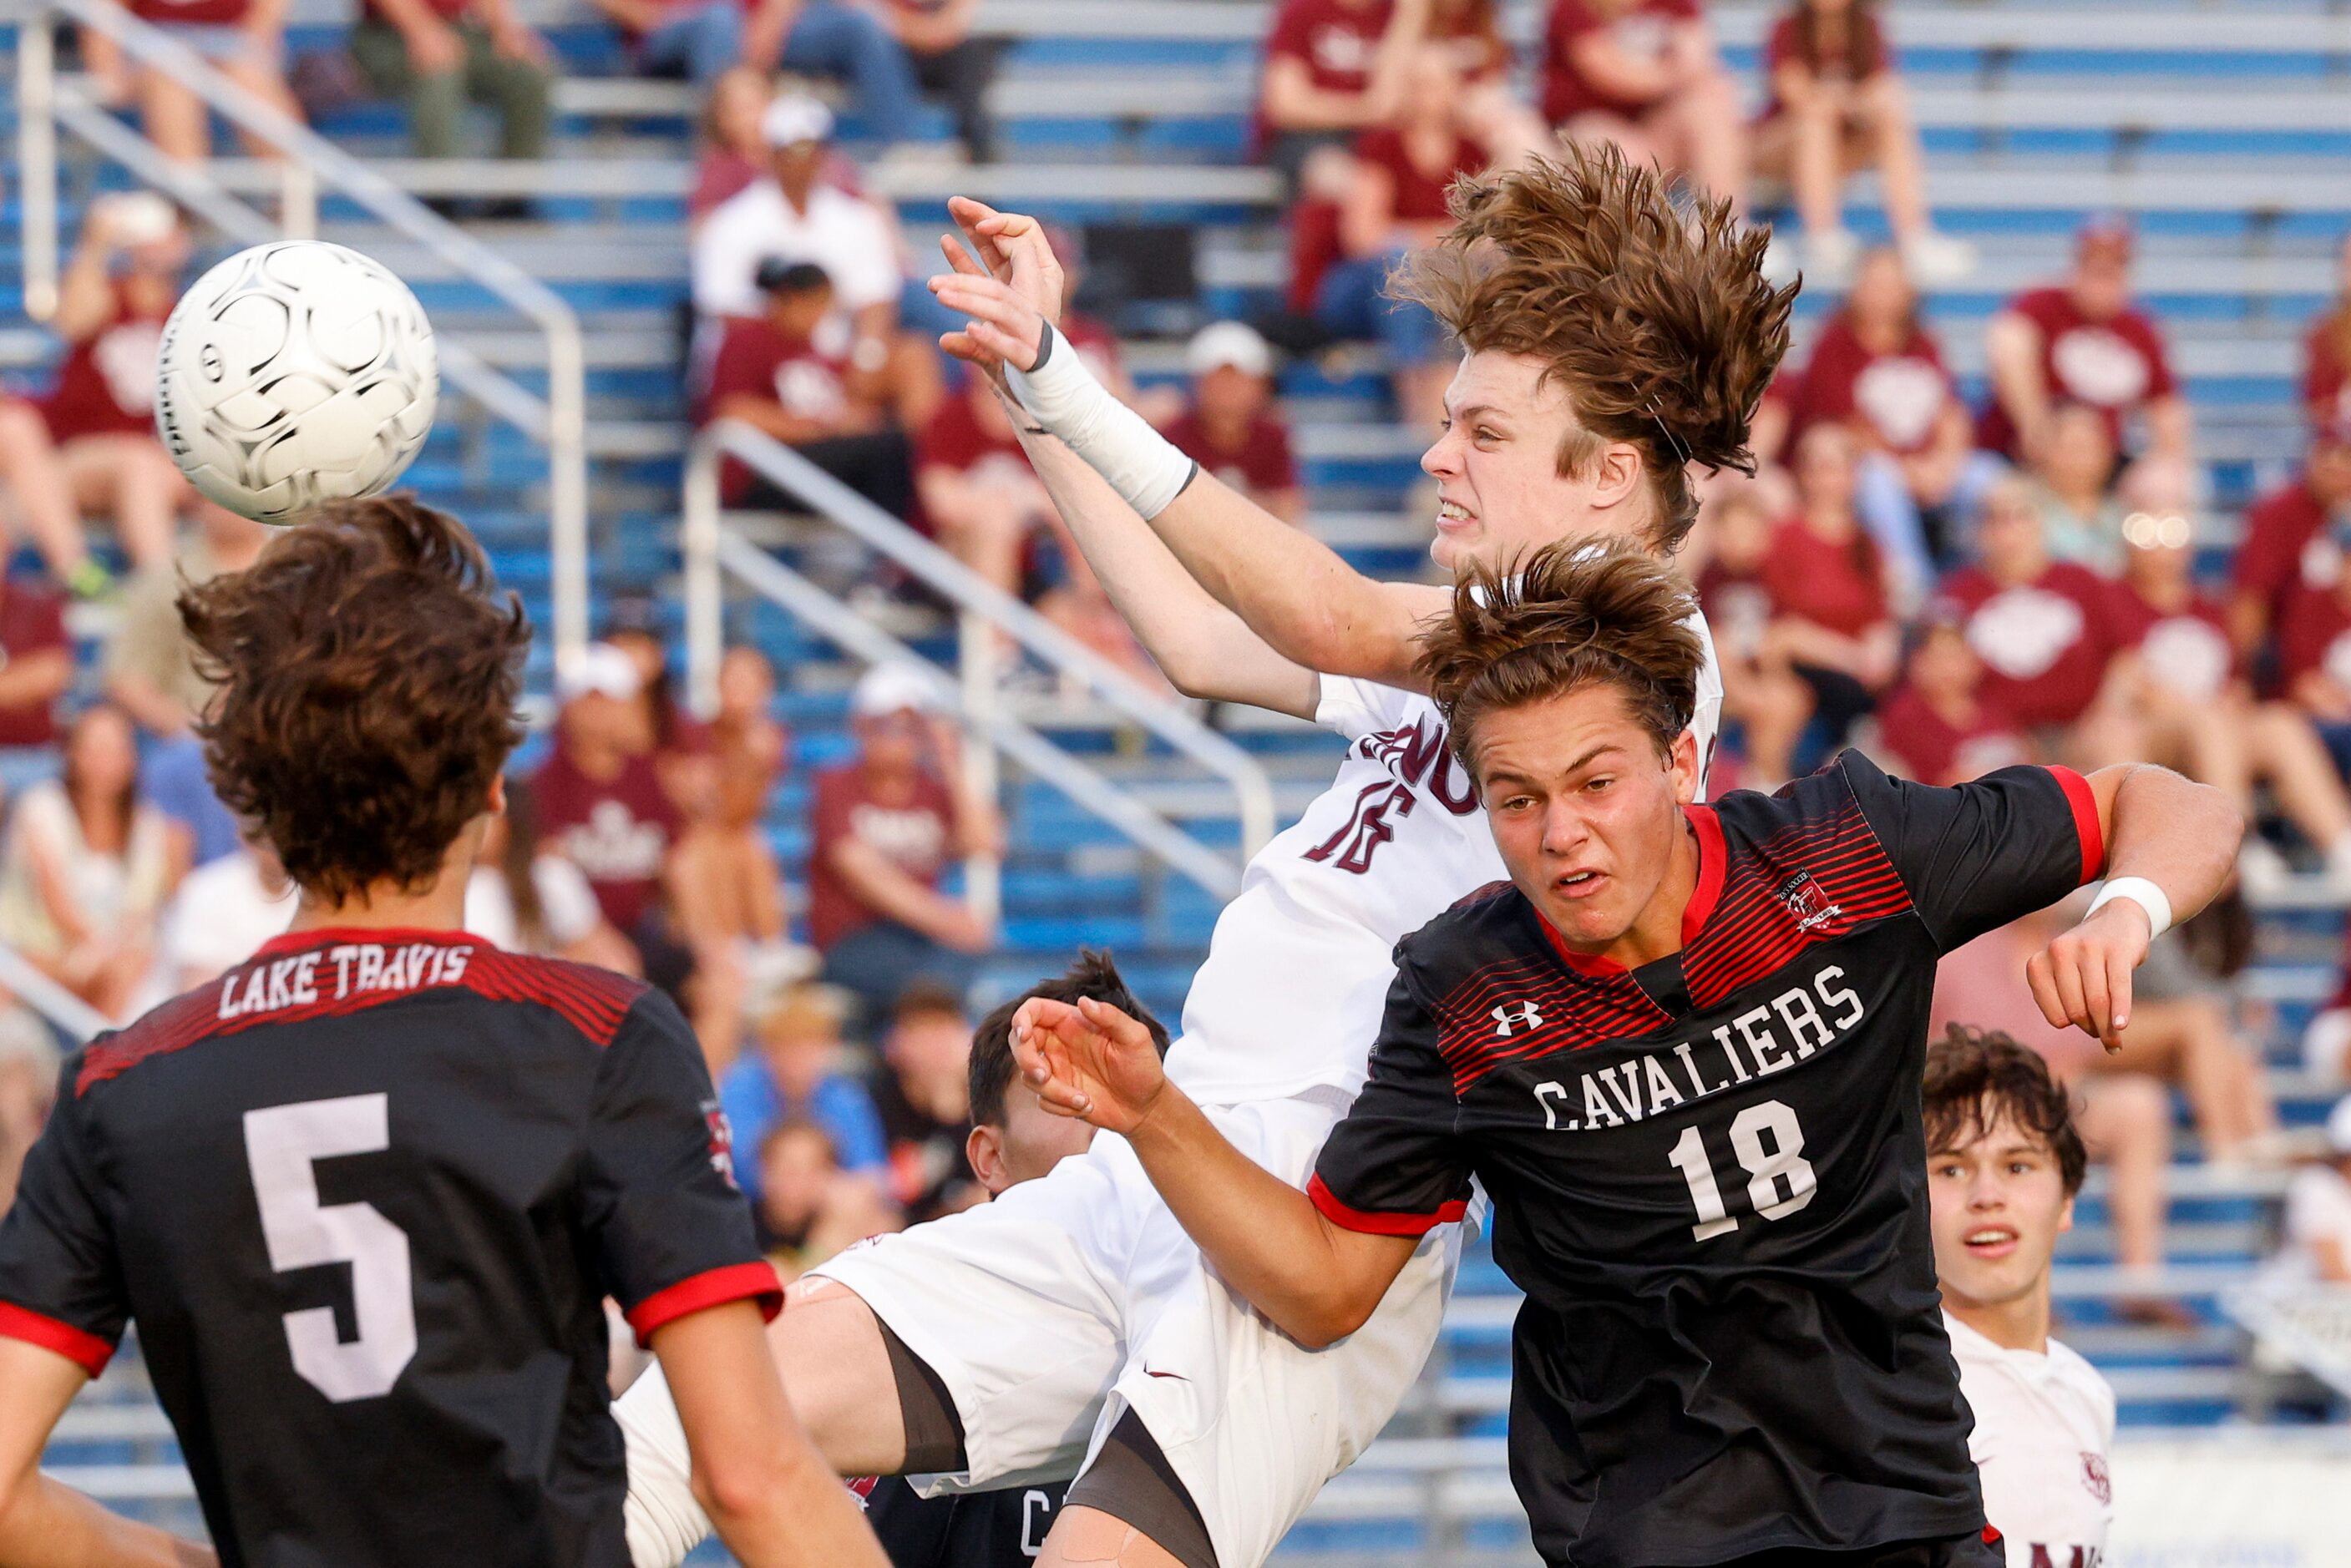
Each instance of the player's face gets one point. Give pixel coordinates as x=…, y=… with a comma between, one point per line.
x=1500, y=490
x=1587, y=815
x=1999, y=1205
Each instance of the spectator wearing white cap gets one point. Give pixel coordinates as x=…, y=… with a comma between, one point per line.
x=601, y=804
x=1230, y=427
x=700, y=39
x=793, y=214
x=884, y=826
x=2317, y=1243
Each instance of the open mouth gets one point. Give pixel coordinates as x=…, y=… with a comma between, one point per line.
x=1578, y=884
x=1991, y=1242
x=1453, y=515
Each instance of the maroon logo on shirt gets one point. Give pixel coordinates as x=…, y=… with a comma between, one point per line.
x=721, y=1140
x=1806, y=902
x=2095, y=1477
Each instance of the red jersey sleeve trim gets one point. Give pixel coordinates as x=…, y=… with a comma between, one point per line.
x=1356, y=1220
x=86, y=1351
x=698, y=1293
x=2085, y=822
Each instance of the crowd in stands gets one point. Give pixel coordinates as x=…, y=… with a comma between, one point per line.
x=1954, y=585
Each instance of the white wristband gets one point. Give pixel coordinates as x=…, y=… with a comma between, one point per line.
x=1061, y=394
x=2143, y=893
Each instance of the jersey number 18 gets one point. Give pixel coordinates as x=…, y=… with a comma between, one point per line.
x=1769, y=1170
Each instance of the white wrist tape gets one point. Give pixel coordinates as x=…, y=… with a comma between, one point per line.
x=662, y=1519
x=2143, y=893
x=1061, y=394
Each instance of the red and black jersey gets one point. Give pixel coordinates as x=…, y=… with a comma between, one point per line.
x=363, y=1197
x=1709, y=1174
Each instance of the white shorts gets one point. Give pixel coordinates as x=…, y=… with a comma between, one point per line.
x=1068, y=1299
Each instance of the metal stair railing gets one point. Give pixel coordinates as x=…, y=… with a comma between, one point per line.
x=713, y=550
x=48, y=103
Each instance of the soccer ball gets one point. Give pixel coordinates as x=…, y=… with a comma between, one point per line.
x=294, y=373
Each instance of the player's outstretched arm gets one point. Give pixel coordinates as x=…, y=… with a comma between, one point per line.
x=44, y=1524
x=2170, y=843
x=1292, y=590
x=1317, y=1281
x=772, y=1497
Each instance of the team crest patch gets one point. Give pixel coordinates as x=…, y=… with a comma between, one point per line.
x=1806, y=902
x=2095, y=1477
x=722, y=1141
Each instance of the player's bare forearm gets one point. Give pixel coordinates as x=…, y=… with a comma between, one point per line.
x=773, y=1499
x=2179, y=835
x=44, y=1524
x=1202, y=646
x=1293, y=590
x=1316, y=1282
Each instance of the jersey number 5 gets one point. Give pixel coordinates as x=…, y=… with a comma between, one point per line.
x=281, y=1146
x=1767, y=1169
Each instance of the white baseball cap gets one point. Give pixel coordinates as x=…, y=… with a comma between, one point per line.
x=894, y=688
x=601, y=668
x=1230, y=343
x=794, y=119
x=2338, y=1126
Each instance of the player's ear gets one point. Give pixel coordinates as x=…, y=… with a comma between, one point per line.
x=1682, y=766
x=496, y=804
x=984, y=1148
x=1617, y=473
x=2065, y=1217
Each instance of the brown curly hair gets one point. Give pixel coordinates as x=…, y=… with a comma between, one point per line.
x=1573, y=614
x=368, y=672
x=1973, y=1076
x=1655, y=320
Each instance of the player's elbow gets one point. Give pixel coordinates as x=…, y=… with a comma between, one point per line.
x=744, y=1481
x=1328, y=1316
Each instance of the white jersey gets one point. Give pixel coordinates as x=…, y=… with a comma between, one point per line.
x=2044, y=1425
x=1296, y=981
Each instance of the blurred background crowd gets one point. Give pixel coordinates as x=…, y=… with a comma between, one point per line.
x=1952, y=581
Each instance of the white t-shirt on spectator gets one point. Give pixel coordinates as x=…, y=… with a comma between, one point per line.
x=566, y=904
x=2044, y=1425
x=848, y=237
x=2317, y=1208
x=219, y=915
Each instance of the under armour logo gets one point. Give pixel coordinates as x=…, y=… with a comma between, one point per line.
x=1513, y=1016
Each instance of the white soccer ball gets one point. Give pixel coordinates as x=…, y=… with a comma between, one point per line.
x=294, y=373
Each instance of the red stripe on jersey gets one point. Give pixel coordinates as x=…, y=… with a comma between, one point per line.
x=85, y=1350
x=2079, y=795
x=593, y=1000
x=1368, y=1224
x=699, y=1293
x=1710, y=871
x=1807, y=882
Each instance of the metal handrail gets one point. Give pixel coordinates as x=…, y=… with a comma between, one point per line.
x=728, y=552
x=958, y=584
x=558, y=420
x=47, y=997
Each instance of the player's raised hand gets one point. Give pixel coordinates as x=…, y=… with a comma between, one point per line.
x=1009, y=293
x=1014, y=247
x=1089, y=1060
x=2083, y=977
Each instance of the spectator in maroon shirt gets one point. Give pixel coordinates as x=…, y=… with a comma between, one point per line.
x=116, y=290
x=884, y=825
x=1396, y=201
x=1645, y=75
x=1230, y=427
x=601, y=804
x=1877, y=370
x=2083, y=341
x=2293, y=538
x=36, y=663
x=1838, y=107
x=2044, y=630
x=981, y=496
x=1332, y=68
x=1730, y=550
x=2327, y=352
x=2197, y=712
x=775, y=373
x=1832, y=624
x=2313, y=657
x=244, y=40
x=1935, y=727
